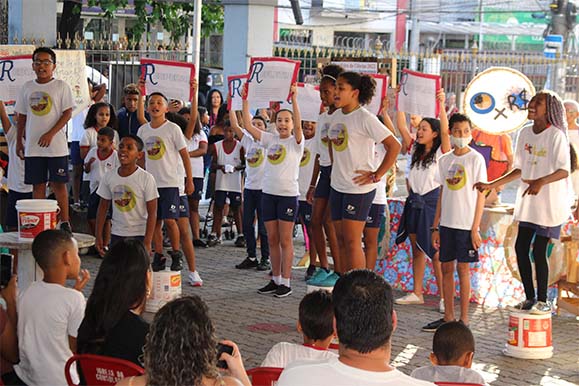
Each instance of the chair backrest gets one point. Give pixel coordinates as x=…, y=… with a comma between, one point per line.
x=99, y=370
x=264, y=376
x=456, y=384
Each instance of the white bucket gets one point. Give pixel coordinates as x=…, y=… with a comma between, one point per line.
x=35, y=216
x=529, y=336
x=166, y=287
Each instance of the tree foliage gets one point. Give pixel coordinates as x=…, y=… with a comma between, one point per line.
x=174, y=17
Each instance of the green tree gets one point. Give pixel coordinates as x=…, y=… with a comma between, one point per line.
x=174, y=17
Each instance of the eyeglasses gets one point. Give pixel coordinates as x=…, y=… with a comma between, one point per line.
x=42, y=62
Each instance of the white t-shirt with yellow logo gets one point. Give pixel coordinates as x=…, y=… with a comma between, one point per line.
x=129, y=197
x=322, y=140
x=282, y=165
x=354, y=137
x=162, y=158
x=307, y=166
x=43, y=105
x=458, y=175
x=254, y=161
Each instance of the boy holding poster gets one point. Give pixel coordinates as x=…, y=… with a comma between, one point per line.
x=45, y=106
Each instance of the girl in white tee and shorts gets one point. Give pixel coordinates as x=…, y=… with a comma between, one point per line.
x=354, y=132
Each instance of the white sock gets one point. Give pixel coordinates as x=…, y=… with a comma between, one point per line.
x=277, y=279
x=285, y=282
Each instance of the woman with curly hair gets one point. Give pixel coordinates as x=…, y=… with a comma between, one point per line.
x=181, y=349
x=432, y=141
x=112, y=324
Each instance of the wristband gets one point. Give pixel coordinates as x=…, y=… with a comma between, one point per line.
x=434, y=229
x=374, y=178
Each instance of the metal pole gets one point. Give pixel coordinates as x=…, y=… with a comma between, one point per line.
x=480, y=25
x=197, y=35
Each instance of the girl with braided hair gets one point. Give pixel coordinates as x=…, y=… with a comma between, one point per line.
x=542, y=163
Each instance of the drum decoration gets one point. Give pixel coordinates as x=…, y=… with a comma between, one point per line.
x=496, y=100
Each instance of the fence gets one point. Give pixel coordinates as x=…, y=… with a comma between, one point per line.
x=456, y=68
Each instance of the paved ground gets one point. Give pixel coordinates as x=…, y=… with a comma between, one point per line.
x=256, y=322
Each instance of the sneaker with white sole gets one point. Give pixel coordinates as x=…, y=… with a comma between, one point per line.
x=282, y=291
x=541, y=308
x=441, y=308
x=410, y=298
x=318, y=277
x=525, y=305
x=270, y=288
x=194, y=279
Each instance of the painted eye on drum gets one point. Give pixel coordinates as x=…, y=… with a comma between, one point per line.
x=482, y=103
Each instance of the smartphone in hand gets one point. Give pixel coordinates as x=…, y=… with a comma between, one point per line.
x=221, y=348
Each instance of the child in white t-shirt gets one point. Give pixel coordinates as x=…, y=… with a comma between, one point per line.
x=99, y=115
x=44, y=106
x=304, y=179
x=280, y=190
x=254, y=166
x=455, y=231
x=354, y=133
x=316, y=318
x=17, y=189
x=100, y=160
x=543, y=204
x=49, y=313
x=134, y=195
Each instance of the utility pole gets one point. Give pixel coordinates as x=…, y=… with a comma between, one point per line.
x=563, y=20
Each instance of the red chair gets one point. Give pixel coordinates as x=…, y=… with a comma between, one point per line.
x=456, y=384
x=99, y=370
x=264, y=376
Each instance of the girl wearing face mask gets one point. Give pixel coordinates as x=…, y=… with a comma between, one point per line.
x=542, y=163
x=432, y=141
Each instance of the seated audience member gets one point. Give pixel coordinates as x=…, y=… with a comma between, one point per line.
x=181, y=349
x=451, y=357
x=364, y=320
x=316, y=324
x=49, y=313
x=8, y=340
x=112, y=324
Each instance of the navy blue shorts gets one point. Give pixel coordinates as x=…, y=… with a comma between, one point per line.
x=549, y=232
x=39, y=170
x=323, y=187
x=345, y=206
x=11, y=212
x=221, y=196
x=93, y=206
x=305, y=213
x=183, y=207
x=456, y=244
x=168, y=203
x=75, y=158
x=115, y=239
x=198, y=183
x=377, y=213
x=282, y=208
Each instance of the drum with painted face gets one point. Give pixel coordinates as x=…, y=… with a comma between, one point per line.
x=496, y=100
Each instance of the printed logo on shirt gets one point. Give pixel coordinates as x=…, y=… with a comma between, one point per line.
x=338, y=134
x=351, y=209
x=305, y=158
x=324, y=134
x=532, y=150
x=456, y=177
x=40, y=103
x=155, y=148
x=254, y=157
x=124, y=198
x=276, y=154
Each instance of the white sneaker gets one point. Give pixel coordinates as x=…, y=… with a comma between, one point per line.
x=410, y=298
x=194, y=279
x=441, y=306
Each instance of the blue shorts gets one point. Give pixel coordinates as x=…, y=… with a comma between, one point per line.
x=115, y=239
x=221, y=196
x=323, y=186
x=345, y=206
x=198, y=184
x=183, y=207
x=456, y=244
x=282, y=208
x=305, y=213
x=75, y=158
x=11, y=219
x=549, y=232
x=39, y=170
x=377, y=213
x=168, y=203
x=93, y=206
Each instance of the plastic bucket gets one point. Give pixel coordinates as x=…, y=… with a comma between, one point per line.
x=529, y=336
x=166, y=287
x=35, y=216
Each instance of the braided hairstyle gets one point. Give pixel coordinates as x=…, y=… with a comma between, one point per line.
x=555, y=109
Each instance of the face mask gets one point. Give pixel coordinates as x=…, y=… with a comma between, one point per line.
x=460, y=143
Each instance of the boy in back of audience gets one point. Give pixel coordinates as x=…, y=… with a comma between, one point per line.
x=451, y=357
x=316, y=324
x=49, y=313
